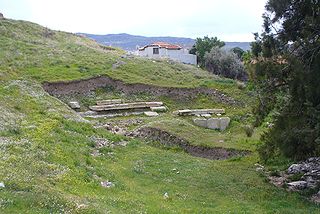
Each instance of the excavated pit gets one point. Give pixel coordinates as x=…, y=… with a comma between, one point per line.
x=168, y=139
x=87, y=85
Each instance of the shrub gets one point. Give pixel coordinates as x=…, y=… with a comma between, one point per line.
x=225, y=63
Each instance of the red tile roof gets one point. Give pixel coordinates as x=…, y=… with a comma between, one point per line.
x=163, y=45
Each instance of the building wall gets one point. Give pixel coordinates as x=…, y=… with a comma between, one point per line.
x=178, y=55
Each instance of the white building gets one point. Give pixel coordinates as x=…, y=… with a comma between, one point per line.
x=166, y=50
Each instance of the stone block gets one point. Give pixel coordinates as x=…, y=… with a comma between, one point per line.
x=159, y=109
x=224, y=123
x=213, y=123
x=201, y=122
x=151, y=113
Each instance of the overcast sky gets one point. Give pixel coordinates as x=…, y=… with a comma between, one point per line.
x=229, y=20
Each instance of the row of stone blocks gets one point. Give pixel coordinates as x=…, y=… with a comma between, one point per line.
x=213, y=123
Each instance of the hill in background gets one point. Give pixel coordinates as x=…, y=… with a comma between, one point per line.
x=129, y=42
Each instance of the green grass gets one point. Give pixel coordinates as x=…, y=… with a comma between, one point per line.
x=45, y=148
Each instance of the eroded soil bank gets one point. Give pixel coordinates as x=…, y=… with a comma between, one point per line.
x=91, y=84
x=168, y=139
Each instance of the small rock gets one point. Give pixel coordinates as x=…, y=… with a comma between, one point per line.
x=2, y=185
x=296, y=168
x=206, y=115
x=277, y=181
x=74, y=105
x=259, y=167
x=297, y=185
x=316, y=198
x=151, y=114
x=159, y=109
x=165, y=195
x=123, y=143
x=106, y=184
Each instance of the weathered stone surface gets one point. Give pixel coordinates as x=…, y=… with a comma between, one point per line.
x=206, y=115
x=316, y=198
x=74, y=105
x=296, y=168
x=224, y=123
x=187, y=112
x=108, y=102
x=213, y=123
x=106, y=184
x=201, y=122
x=297, y=185
x=151, y=113
x=277, y=181
x=123, y=106
x=159, y=109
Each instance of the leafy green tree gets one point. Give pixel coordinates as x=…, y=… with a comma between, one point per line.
x=287, y=77
x=238, y=51
x=203, y=46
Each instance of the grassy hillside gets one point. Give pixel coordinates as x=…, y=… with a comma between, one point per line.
x=46, y=149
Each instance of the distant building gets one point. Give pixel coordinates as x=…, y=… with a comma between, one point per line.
x=166, y=50
x=1, y=16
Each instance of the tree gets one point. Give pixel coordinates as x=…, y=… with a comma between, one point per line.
x=225, y=63
x=238, y=51
x=287, y=77
x=203, y=46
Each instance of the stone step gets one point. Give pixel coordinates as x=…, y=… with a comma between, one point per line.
x=123, y=106
x=186, y=112
x=159, y=109
x=108, y=102
x=151, y=113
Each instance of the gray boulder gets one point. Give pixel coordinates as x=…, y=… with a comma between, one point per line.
x=296, y=168
x=74, y=105
x=297, y=185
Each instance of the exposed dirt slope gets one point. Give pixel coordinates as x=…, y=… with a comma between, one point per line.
x=87, y=85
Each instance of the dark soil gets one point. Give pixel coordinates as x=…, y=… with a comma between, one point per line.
x=88, y=85
x=168, y=139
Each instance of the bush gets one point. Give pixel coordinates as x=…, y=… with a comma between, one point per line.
x=225, y=63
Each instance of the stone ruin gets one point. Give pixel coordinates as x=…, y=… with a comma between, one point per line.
x=220, y=123
x=1, y=16
x=205, y=118
x=150, y=109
